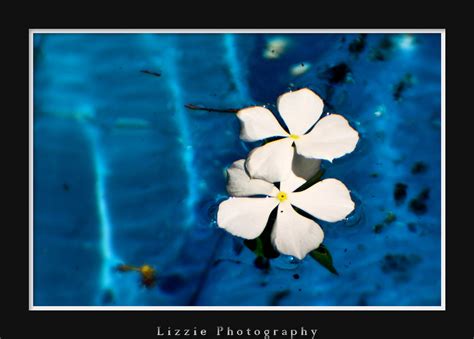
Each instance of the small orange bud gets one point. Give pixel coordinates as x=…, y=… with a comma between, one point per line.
x=148, y=273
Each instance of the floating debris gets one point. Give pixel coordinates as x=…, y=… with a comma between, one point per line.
x=391, y=217
x=400, y=88
x=300, y=68
x=147, y=273
x=419, y=167
x=275, y=47
x=337, y=74
x=278, y=297
x=418, y=204
x=358, y=45
x=378, y=228
x=388, y=44
x=383, y=51
x=399, y=263
x=156, y=74
x=400, y=192
x=219, y=110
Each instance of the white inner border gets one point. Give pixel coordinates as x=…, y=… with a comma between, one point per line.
x=442, y=307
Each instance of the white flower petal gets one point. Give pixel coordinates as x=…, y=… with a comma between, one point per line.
x=300, y=110
x=327, y=200
x=239, y=184
x=302, y=170
x=291, y=183
x=271, y=162
x=258, y=123
x=294, y=234
x=245, y=217
x=331, y=138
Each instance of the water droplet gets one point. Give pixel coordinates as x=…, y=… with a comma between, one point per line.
x=286, y=262
x=355, y=218
x=208, y=210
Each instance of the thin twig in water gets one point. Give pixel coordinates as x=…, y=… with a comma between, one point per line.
x=150, y=72
x=201, y=108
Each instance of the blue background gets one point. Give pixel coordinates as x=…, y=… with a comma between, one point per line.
x=124, y=173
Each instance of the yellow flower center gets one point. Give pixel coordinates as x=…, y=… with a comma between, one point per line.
x=294, y=136
x=281, y=196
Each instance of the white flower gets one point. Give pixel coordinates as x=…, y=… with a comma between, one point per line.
x=240, y=184
x=293, y=234
x=331, y=137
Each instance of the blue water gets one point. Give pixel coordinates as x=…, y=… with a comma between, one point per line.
x=125, y=174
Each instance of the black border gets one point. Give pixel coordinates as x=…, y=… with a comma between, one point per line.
x=17, y=322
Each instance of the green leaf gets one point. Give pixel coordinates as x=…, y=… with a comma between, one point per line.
x=262, y=247
x=323, y=256
x=255, y=245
